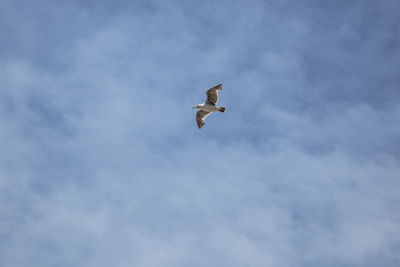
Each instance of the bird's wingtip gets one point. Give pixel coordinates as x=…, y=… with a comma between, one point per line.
x=218, y=86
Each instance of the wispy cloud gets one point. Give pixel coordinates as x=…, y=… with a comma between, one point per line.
x=102, y=163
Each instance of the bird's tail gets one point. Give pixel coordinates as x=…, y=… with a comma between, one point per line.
x=221, y=109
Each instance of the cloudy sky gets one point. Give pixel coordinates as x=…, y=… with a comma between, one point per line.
x=102, y=164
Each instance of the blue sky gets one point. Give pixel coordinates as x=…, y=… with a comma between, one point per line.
x=102, y=163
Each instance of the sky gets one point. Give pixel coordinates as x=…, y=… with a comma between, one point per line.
x=102, y=164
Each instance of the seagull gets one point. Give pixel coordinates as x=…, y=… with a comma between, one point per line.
x=209, y=106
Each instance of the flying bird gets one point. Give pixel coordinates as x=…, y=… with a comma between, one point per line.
x=209, y=106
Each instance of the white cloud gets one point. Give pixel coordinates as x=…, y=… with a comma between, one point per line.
x=101, y=166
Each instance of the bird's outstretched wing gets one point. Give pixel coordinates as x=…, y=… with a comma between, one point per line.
x=212, y=94
x=201, y=116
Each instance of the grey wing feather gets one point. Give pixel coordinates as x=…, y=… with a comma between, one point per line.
x=200, y=117
x=212, y=95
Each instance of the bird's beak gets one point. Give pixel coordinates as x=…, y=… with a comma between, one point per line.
x=194, y=107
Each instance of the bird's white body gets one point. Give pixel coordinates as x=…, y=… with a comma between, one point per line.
x=207, y=107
